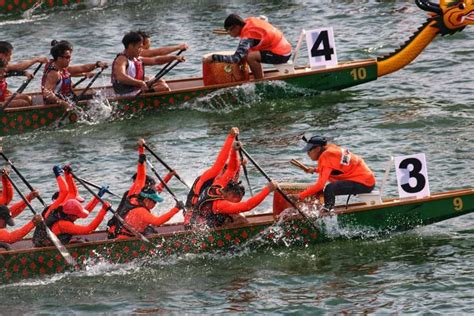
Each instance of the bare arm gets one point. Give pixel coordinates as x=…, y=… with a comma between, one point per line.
x=120, y=71
x=25, y=64
x=153, y=52
x=48, y=88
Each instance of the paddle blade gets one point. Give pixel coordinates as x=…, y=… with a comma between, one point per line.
x=62, y=250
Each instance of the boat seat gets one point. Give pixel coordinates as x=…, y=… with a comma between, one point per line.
x=286, y=68
x=372, y=198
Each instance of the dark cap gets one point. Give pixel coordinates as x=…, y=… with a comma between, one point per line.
x=6, y=215
x=314, y=141
x=232, y=20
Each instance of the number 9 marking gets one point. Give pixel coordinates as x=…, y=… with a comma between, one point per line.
x=457, y=203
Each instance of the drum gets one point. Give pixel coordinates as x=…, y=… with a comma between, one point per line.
x=219, y=73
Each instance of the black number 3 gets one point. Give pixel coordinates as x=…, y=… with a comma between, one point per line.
x=415, y=173
x=326, y=51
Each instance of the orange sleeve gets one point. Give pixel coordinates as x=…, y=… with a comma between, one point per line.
x=7, y=191
x=324, y=174
x=16, y=235
x=19, y=206
x=166, y=179
x=232, y=169
x=63, y=192
x=71, y=186
x=66, y=227
x=218, y=164
x=92, y=204
x=139, y=182
x=151, y=219
x=226, y=207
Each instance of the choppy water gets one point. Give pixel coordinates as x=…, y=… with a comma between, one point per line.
x=426, y=107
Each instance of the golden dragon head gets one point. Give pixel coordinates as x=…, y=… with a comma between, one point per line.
x=452, y=15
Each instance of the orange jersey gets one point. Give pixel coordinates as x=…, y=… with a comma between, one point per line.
x=7, y=191
x=226, y=207
x=271, y=39
x=67, y=227
x=16, y=235
x=337, y=164
x=139, y=218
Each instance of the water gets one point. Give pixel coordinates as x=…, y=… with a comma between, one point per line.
x=426, y=107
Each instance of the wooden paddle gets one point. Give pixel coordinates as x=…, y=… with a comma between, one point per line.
x=116, y=215
x=62, y=250
x=285, y=196
x=179, y=203
x=300, y=165
x=21, y=88
x=165, y=165
x=220, y=32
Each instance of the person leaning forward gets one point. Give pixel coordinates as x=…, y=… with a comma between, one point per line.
x=128, y=72
x=7, y=237
x=260, y=42
x=346, y=172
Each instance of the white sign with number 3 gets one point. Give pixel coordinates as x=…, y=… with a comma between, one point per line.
x=412, y=176
x=321, y=47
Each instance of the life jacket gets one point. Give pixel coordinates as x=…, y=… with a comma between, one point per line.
x=346, y=166
x=134, y=69
x=202, y=212
x=115, y=227
x=192, y=199
x=40, y=236
x=63, y=88
x=271, y=39
x=3, y=89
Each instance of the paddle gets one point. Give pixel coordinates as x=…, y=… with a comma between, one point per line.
x=220, y=32
x=92, y=184
x=179, y=203
x=285, y=196
x=79, y=97
x=244, y=167
x=21, y=176
x=62, y=250
x=300, y=165
x=165, y=164
x=116, y=215
x=79, y=82
x=21, y=88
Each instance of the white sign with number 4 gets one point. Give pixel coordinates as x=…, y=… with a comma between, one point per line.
x=412, y=176
x=321, y=47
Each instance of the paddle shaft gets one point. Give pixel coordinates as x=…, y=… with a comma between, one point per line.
x=90, y=83
x=92, y=184
x=162, y=181
x=121, y=220
x=244, y=167
x=62, y=250
x=22, y=87
x=79, y=82
x=285, y=196
x=165, y=164
x=21, y=177
x=162, y=70
x=300, y=165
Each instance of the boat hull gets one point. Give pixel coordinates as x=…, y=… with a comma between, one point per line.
x=17, y=6
x=22, y=120
x=358, y=220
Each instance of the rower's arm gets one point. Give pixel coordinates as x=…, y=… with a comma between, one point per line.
x=67, y=227
x=319, y=186
x=25, y=64
x=153, y=52
x=80, y=70
x=220, y=161
x=16, y=235
x=48, y=88
x=158, y=220
x=227, y=207
x=7, y=191
x=159, y=60
x=241, y=51
x=120, y=72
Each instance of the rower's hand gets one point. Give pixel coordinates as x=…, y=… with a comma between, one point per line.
x=294, y=197
x=103, y=190
x=67, y=106
x=67, y=168
x=5, y=171
x=101, y=65
x=183, y=46
x=180, y=205
x=180, y=58
x=207, y=60
x=37, y=219
x=141, y=142
x=34, y=194
x=29, y=75
x=144, y=86
x=272, y=185
x=89, y=74
x=237, y=145
x=310, y=170
x=41, y=59
x=57, y=171
x=234, y=131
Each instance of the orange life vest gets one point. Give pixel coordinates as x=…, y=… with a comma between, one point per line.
x=345, y=165
x=271, y=39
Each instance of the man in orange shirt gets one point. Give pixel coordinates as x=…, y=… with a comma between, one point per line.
x=346, y=172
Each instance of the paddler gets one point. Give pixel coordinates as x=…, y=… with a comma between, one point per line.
x=7, y=195
x=7, y=237
x=161, y=51
x=56, y=84
x=138, y=202
x=346, y=172
x=128, y=72
x=260, y=42
x=18, y=69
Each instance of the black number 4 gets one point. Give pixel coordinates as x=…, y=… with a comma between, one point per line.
x=415, y=173
x=326, y=51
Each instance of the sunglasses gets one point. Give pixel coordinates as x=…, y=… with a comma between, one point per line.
x=66, y=57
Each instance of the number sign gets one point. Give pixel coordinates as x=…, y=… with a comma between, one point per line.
x=321, y=47
x=412, y=176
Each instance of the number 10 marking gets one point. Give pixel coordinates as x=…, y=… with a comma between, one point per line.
x=359, y=74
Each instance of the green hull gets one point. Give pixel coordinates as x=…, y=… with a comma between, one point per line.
x=358, y=221
x=18, y=6
x=23, y=120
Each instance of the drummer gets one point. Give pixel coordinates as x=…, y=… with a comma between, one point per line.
x=260, y=43
x=128, y=73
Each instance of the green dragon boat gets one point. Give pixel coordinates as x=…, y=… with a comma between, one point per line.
x=19, y=6
x=448, y=17
x=357, y=220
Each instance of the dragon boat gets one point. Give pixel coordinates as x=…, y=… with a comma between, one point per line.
x=18, y=6
x=447, y=17
x=277, y=229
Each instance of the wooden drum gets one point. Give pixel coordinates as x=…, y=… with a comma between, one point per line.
x=219, y=73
